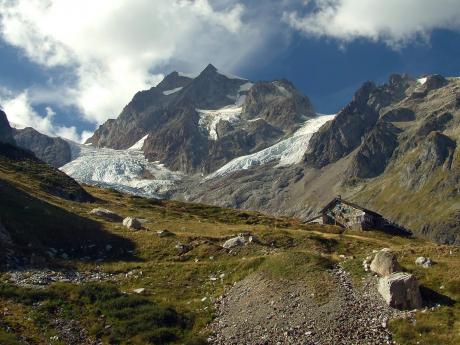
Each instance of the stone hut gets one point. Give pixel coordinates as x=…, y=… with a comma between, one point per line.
x=352, y=216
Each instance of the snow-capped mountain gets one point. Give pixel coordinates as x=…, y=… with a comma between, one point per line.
x=197, y=125
x=220, y=139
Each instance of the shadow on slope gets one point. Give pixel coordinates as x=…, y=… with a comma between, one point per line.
x=38, y=232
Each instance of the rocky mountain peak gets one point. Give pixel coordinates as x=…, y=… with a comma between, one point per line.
x=173, y=81
x=6, y=132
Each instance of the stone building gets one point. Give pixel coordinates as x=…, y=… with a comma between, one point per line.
x=352, y=216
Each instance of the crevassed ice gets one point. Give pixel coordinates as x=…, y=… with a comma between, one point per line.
x=210, y=118
x=125, y=170
x=286, y=152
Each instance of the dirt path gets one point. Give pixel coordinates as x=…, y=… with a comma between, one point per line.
x=260, y=311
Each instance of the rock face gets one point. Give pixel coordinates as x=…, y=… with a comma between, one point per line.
x=6, y=132
x=197, y=125
x=54, y=151
x=400, y=290
x=106, y=214
x=132, y=223
x=385, y=262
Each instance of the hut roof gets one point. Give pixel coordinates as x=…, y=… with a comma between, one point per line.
x=342, y=201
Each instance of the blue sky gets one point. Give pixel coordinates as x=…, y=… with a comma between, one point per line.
x=68, y=66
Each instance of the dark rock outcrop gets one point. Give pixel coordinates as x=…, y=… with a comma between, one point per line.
x=279, y=104
x=54, y=151
x=342, y=135
x=375, y=152
x=6, y=132
x=346, y=132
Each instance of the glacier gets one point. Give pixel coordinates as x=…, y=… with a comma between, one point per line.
x=130, y=172
x=124, y=170
x=286, y=152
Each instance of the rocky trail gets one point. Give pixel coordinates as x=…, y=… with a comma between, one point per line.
x=260, y=311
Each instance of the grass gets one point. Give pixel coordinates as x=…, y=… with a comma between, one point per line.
x=180, y=288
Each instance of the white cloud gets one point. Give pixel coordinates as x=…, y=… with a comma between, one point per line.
x=396, y=22
x=114, y=44
x=21, y=114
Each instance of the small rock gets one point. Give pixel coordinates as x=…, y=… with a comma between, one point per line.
x=423, y=261
x=132, y=223
x=164, y=233
x=182, y=248
x=106, y=214
x=139, y=291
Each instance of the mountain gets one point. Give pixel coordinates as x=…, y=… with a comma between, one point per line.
x=196, y=125
x=6, y=132
x=392, y=148
x=54, y=151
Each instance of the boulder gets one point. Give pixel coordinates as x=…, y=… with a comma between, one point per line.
x=106, y=214
x=385, y=263
x=234, y=242
x=132, y=223
x=400, y=290
x=423, y=261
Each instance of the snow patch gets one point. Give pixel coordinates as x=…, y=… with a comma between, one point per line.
x=422, y=81
x=230, y=76
x=139, y=144
x=210, y=118
x=282, y=89
x=286, y=152
x=188, y=75
x=124, y=170
x=170, y=92
x=245, y=87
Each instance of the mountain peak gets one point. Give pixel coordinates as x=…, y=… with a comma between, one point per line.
x=210, y=68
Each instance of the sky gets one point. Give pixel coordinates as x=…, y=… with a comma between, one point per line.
x=67, y=66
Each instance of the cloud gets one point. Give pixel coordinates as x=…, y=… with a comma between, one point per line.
x=394, y=22
x=112, y=46
x=21, y=114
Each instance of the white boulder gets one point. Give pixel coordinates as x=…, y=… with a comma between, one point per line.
x=385, y=263
x=132, y=223
x=234, y=242
x=423, y=261
x=400, y=290
x=106, y=214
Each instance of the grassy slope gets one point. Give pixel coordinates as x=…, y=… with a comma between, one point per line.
x=173, y=307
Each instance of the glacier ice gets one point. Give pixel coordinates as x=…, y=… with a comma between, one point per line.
x=286, y=152
x=124, y=170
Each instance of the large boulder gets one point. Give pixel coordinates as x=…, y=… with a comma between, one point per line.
x=400, y=290
x=234, y=242
x=106, y=214
x=132, y=223
x=385, y=263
